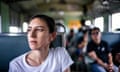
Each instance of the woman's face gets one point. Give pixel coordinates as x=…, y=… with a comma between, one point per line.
x=38, y=34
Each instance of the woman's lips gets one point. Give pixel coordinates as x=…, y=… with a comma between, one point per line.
x=33, y=42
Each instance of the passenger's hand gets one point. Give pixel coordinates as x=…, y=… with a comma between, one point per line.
x=108, y=67
x=105, y=66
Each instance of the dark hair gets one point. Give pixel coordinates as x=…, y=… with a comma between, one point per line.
x=83, y=22
x=84, y=31
x=95, y=28
x=71, y=30
x=49, y=21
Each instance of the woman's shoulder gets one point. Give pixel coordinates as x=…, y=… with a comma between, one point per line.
x=18, y=59
x=59, y=52
x=58, y=49
x=62, y=57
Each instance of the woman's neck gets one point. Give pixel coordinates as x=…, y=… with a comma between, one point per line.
x=36, y=57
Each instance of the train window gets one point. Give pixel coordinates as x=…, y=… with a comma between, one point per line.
x=25, y=26
x=116, y=22
x=88, y=22
x=14, y=29
x=0, y=24
x=99, y=22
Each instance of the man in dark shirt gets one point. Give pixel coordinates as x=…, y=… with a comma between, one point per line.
x=98, y=50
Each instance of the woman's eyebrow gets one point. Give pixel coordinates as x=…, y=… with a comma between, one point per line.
x=29, y=27
x=36, y=27
x=40, y=27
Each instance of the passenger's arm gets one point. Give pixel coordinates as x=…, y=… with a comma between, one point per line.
x=110, y=60
x=67, y=70
x=93, y=55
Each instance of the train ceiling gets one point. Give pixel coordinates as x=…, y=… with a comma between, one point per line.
x=89, y=7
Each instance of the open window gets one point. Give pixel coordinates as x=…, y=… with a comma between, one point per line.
x=116, y=22
x=99, y=22
x=88, y=22
x=0, y=25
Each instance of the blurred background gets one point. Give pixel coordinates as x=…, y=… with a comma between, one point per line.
x=105, y=14
x=69, y=15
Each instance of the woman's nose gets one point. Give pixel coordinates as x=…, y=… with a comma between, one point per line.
x=33, y=34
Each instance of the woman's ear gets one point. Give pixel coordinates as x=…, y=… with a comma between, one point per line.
x=53, y=36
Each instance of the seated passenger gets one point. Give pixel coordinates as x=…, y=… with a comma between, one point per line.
x=82, y=44
x=98, y=50
x=69, y=38
x=81, y=51
x=116, y=58
x=42, y=57
x=70, y=43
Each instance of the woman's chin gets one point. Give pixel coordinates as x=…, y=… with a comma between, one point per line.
x=33, y=47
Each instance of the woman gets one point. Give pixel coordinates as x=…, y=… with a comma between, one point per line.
x=42, y=58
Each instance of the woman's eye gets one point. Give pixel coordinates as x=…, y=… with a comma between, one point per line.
x=40, y=30
x=28, y=30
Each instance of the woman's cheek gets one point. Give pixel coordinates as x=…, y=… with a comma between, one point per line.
x=44, y=38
